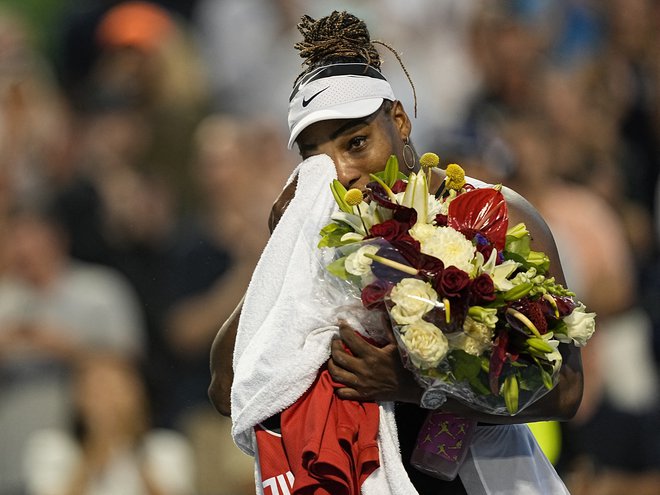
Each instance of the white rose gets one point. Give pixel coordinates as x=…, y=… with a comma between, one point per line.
x=475, y=339
x=477, y=330
x=446, y=244
x=425, y=343
x=468, y=344
x=580, y=325
x=412, y=299
x=357, y=263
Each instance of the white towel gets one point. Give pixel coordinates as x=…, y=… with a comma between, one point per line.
x=284, y=334
x=282, y=340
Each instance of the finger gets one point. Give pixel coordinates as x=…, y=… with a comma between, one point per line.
x=341, y=375
x=388, y=333
x=346, y=393
x=343, y=359
x=357, y=345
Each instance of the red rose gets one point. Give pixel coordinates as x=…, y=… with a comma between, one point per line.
x=389, y=230
x=373, y=294
x=452, y=282
x=483, y=288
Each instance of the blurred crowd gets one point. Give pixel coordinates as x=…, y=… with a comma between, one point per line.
x=143, y=144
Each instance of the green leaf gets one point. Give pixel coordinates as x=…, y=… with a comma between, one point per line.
x=508, y=255
x=391, y=173
x=531, y=381
x=517, y=292
x=332, y=233
x=338, y=269
x=468, y=368
x=540, y=260
x=518, y=245
x=391, y=170
x=547, y=379
x=533, y=259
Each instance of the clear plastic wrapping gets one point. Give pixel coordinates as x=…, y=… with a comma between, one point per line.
x=472, y=307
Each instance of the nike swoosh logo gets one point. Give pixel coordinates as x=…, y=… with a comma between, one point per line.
x=306, y=102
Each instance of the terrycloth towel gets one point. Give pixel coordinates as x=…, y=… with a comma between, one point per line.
x=284, y=334
x=283, y=338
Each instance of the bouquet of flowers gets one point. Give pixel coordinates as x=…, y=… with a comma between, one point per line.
x=474, y=312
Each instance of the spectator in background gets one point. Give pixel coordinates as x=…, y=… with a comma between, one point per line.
x=52, y=311
x=246, y=42
x=111, y=449
x=237, y=168
x=35, y=141
x=149, y=62
x=137, y=106
x=621, y=390
x=610, y=447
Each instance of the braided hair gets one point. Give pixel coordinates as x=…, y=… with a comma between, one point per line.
x=339, y=38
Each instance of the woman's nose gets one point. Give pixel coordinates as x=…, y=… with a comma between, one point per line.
x=346, y=174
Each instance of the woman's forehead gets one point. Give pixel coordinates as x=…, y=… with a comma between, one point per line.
x=329, y=130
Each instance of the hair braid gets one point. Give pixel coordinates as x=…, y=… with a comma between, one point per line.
x=340, y=37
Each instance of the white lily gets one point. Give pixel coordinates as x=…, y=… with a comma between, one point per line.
x=416, y=196
x=364, y=216
x=352, y=237
x=350, y=219
x=499, y=273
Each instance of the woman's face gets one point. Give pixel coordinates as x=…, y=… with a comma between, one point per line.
x=358, y=147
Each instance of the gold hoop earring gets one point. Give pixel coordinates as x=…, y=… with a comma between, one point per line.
x=407, y=149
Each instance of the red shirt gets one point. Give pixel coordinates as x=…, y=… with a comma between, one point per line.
x=329, y=445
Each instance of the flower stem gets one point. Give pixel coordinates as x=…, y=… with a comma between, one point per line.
x=392, y=264
x=366, y=230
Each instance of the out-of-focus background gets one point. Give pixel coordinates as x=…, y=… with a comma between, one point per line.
x=141, y=148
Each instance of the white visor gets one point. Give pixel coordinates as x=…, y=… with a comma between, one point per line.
x=338, y=91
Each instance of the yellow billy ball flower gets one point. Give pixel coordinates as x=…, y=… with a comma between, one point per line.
x=353, y=197
x=429, y=160
x=455, y=177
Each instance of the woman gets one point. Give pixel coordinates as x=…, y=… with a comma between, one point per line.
x=111, y=448
x=343, y=107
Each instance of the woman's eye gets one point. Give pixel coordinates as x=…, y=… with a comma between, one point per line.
x=357, y=142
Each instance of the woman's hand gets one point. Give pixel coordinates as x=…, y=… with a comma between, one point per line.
x=370, y=373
